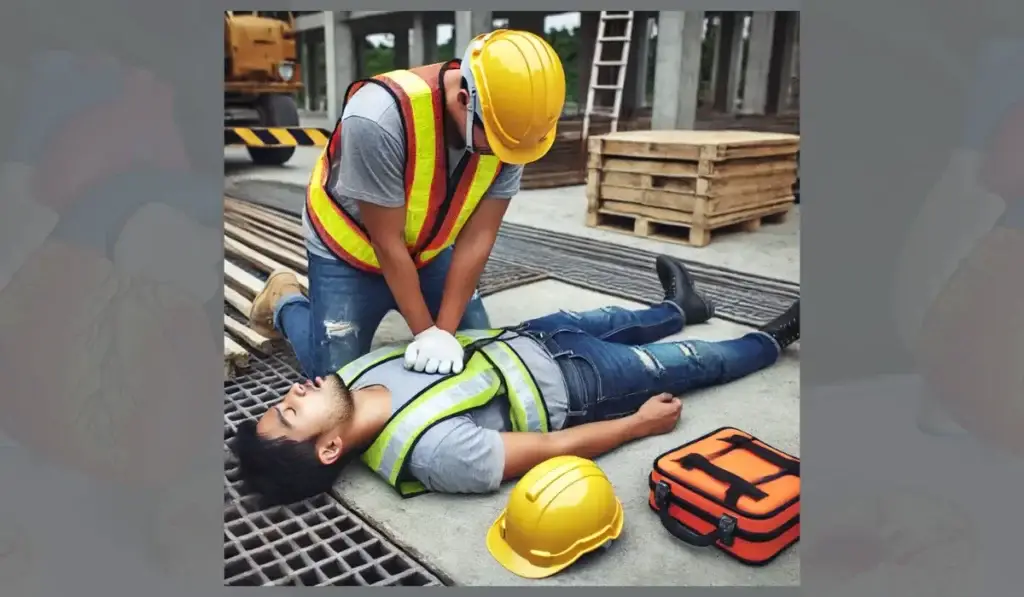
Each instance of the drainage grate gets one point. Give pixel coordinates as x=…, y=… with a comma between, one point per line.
x=629, y=273
x=312, y=543
x=501, y=275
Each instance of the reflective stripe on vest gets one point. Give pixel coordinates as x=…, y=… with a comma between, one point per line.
x=495, y=365
x=355, y=369
x=477, y=385
x=436, y=208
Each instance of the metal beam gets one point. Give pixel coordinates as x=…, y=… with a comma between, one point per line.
x=310, y=22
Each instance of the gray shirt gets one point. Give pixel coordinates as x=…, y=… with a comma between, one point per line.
x=465, y=454
x=372, y=168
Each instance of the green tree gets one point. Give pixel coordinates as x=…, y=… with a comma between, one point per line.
x=567, y=45
x=376, y=59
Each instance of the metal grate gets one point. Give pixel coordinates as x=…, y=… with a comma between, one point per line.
x=312, y=543
x=629, y=273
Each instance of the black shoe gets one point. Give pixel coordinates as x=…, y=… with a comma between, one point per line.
x=680, y=291
x=785, y=329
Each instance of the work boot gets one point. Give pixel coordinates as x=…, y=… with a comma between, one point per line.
x=279, y=284
x=785, y=329
x=679, y=290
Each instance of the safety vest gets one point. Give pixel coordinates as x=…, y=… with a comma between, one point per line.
x=493, y=368
x=437, y=206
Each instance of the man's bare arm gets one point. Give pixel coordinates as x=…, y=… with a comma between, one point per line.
x=386, y=226
x=472, y=248
x=523, y=451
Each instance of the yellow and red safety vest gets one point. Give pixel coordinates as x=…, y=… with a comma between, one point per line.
x=437, y=206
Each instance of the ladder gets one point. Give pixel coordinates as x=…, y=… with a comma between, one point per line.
x=623, y=36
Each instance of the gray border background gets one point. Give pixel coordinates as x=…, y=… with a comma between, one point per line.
x=110, y=462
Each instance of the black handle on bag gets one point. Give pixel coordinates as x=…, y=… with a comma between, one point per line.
x=723, y=533
x=788, y=465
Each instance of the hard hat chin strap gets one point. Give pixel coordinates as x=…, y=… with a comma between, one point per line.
x=471, y=118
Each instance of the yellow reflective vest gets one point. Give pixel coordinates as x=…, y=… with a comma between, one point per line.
x=437, y=205
x=493, y=368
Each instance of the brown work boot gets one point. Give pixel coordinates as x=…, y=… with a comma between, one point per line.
x=279, y=284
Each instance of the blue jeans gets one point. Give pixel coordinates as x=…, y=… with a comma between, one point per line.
x=336, y=324
x=612, y=360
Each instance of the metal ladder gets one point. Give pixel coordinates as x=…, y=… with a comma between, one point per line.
x=601, y=61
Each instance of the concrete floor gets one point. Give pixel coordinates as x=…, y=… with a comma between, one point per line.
x=766, y=404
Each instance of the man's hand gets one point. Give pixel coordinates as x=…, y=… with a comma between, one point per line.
x=434, y=351
x=658, y=415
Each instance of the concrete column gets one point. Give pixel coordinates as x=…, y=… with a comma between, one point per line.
x=634, y=93
x=677, y=69
x=585, y=53
x=759, y=57
x=341, y=58
x=643, y=61
x=788, y=62
x=527, y=21
x=469, y=24
x=714, y=34
x=402, y=48
x=423, y=48
x=728, y=61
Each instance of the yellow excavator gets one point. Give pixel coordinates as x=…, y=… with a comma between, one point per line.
x=261, y=78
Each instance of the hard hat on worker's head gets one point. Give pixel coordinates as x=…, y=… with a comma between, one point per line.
x=517, y=87
x=562, y=509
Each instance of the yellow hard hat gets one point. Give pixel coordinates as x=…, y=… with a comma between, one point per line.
x=563, y=508
x=519, y=86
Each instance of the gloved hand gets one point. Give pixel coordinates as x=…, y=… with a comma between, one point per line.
x=434, y=351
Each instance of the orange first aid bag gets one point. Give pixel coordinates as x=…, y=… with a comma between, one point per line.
x=731, y=490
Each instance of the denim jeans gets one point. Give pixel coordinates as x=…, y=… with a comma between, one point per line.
x=336, y=324
x=612, y=360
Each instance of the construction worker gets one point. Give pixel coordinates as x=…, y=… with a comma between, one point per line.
x=577, y=384
x=422, y=160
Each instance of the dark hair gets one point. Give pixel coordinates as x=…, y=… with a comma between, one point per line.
x=282, y=470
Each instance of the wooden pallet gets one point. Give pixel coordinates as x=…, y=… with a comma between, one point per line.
x=695, y=180
x=255, y=239
x=671, y=226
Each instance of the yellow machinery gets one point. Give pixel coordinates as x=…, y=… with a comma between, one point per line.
x=261, y=78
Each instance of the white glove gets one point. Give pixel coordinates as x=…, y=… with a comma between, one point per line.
x=434, y=351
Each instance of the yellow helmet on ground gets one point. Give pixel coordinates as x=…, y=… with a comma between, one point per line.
x=562, y=509
x=518, y=84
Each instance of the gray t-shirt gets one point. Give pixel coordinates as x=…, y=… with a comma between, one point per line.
x=465, y=454
x=372, y=168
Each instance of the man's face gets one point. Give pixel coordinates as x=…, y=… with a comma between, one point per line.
x=463, y=115
x=308, y=411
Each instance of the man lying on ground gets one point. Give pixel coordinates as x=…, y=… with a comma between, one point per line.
x=564, y=384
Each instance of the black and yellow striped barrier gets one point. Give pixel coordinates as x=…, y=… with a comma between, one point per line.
x=276, y=137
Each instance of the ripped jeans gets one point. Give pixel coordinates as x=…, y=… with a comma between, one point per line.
x=336, y=324
x=612, y=360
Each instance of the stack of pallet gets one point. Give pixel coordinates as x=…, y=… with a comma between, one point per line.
x=256, y=239
x=681, y=185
